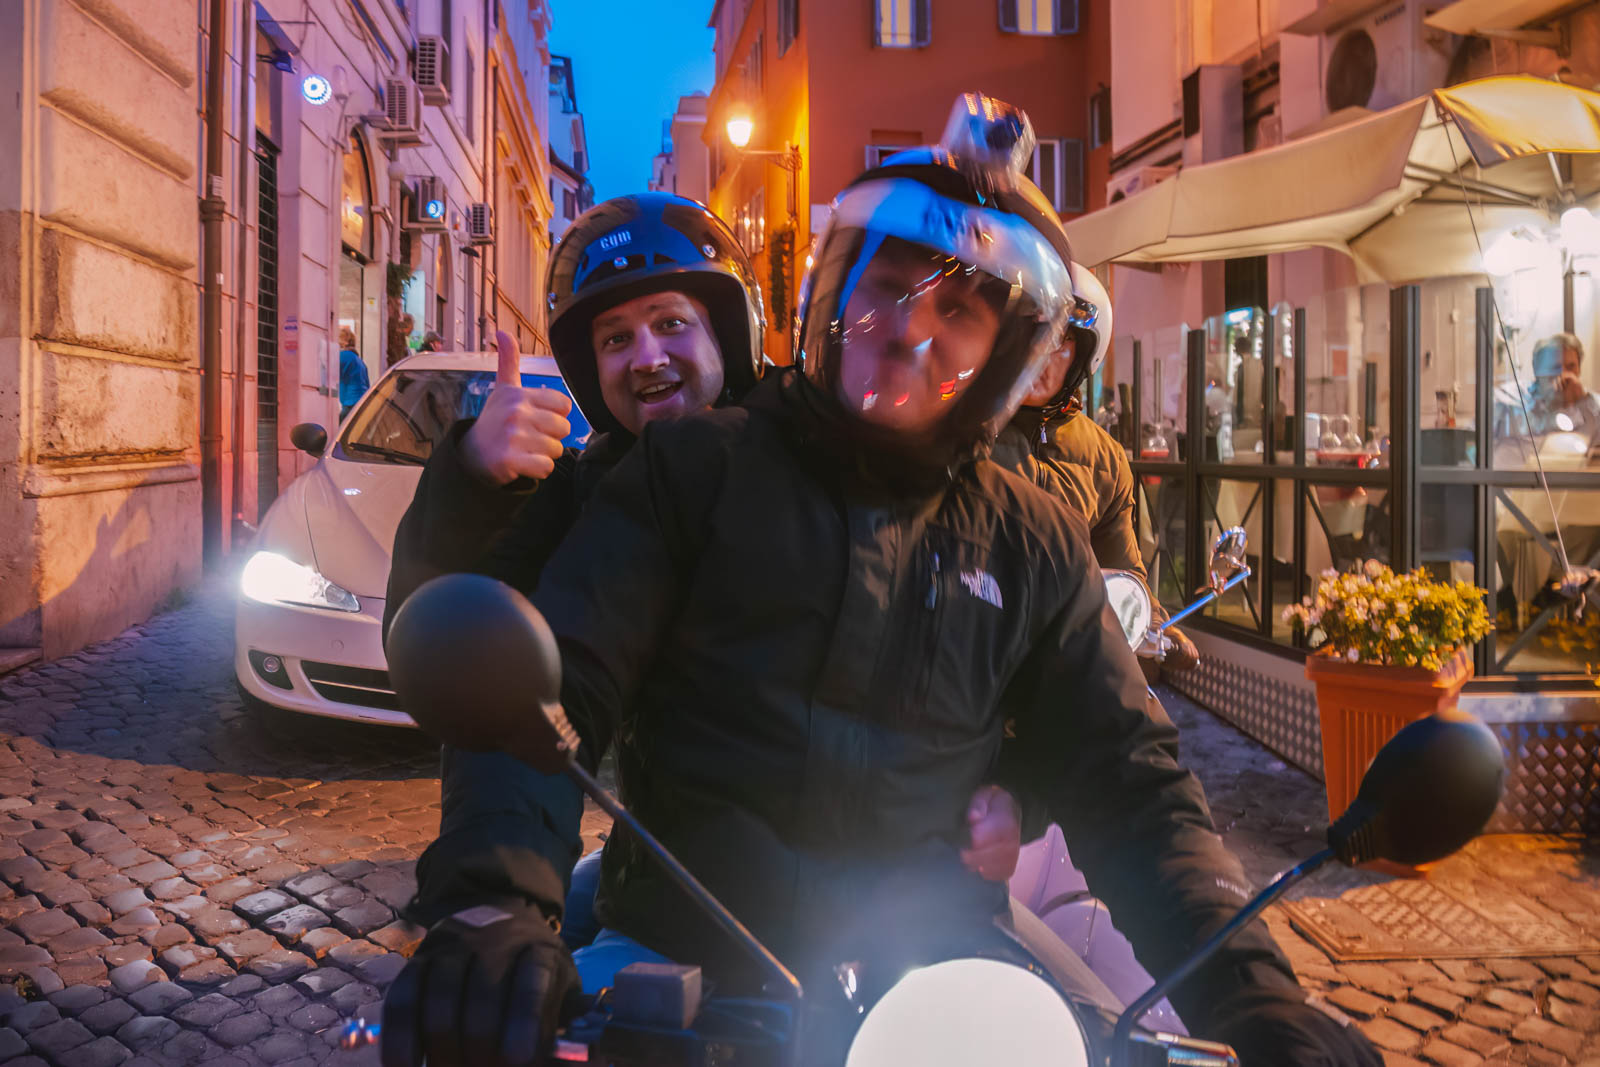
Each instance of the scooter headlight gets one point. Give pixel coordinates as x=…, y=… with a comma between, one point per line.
x=274, y=579
x=968, y=1011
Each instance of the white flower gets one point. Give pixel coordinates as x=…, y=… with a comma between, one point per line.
x=1402, y=608
x=1373, y=567
x=1329, y=572
x=1351, y=655
x=1394, y=632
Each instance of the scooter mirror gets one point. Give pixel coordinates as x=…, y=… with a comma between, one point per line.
x=477, y=667
x=1227, y=555
x=1130, y=601
x=1429, y=791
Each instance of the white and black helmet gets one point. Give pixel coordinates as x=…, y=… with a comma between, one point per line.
x=961, y=222
x=1089, y=326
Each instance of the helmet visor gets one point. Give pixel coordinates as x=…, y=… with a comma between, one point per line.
x=927, y=318
x=916, y=327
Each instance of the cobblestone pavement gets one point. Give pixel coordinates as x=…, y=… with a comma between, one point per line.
x=1452, y=1013
x=184, y=881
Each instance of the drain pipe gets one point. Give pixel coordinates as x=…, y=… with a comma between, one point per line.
x=243, y=322
x=212, y=209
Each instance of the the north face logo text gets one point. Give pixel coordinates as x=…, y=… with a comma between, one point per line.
x=982, y=585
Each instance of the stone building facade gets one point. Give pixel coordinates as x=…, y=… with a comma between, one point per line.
x=103, y=341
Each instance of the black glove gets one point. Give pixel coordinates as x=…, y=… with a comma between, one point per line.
x=1272, y=1027
x=489, y=987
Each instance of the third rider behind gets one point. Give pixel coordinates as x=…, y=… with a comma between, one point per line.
x=1075, y=458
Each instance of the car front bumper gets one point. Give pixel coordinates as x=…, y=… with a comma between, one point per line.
x=332, y=661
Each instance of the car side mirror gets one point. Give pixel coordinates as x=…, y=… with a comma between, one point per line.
x=309, y=437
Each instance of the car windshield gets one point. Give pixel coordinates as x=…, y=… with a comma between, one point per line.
x=409, y=412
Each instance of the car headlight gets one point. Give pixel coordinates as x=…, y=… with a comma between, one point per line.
x=274, y=579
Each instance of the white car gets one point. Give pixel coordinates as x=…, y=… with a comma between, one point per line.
x=310, y=609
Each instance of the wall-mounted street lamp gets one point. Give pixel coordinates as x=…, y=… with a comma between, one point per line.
x=739, y=129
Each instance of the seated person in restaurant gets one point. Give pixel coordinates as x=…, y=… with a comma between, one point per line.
x=1556, y=400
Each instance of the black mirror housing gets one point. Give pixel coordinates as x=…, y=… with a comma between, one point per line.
x=1430, y=790
x=309, y=437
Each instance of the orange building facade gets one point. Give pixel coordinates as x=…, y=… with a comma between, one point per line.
x=848, y=81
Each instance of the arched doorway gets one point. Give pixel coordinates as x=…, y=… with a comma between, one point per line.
x=360, y=279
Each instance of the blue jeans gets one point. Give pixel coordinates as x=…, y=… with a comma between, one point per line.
x=599, y=961
x=599, y=953
x=578, y=925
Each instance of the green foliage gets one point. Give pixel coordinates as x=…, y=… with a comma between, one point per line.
x=1374, y=615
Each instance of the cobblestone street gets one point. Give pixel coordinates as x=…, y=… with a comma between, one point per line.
x=185, y=881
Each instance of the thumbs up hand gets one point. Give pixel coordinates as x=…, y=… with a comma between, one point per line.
x=519, y=431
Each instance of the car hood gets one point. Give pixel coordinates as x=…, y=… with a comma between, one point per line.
x=352, y=511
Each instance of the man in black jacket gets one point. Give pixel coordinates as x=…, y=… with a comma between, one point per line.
x=810, y=618
x=655, y=314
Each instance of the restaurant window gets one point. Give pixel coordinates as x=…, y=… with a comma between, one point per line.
x=1043, y=17
x=1447, y=385
x=1546, y=390
x=1347, y=421
x=902, y=23
x=1162, y=513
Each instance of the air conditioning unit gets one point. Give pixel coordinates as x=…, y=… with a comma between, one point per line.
x=480, y=224
x=1137, y=180
x=1384, y=57
x=402, y=113
x=433, y=70
x=430, y=210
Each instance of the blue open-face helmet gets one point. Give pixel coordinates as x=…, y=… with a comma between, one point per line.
x=644, y=243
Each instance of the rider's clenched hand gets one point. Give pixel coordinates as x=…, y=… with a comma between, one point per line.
x=487, y=987
x=996, y=828
x=519, y=431
x=1270, y=1027
x=1182, y=656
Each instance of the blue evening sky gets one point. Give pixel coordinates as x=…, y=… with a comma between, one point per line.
x=631, y=60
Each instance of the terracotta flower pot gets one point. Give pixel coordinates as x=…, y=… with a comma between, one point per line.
x=1362, y=705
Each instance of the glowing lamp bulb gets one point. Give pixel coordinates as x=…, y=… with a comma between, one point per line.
x=1580, y=231
x=316, y=89
x=739, y=130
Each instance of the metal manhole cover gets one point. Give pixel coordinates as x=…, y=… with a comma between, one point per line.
x=1415, y=919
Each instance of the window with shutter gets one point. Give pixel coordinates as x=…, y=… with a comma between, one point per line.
x=1058, y=172
x=788, y=24
x=1100, y=117
x=1072, y=177
x=901, y=23
x=1039, y=17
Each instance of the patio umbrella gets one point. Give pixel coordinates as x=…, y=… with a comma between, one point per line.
x=1389, y=190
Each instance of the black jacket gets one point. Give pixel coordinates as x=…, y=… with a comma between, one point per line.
x=493, y=843
x=811, y=673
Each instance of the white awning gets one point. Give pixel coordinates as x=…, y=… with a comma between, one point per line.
x=1493, y=18
x=1390, y=190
